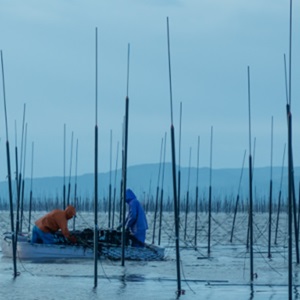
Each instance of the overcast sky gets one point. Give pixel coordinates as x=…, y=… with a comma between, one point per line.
x=49, y=65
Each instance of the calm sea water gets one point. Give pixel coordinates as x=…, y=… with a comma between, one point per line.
x=224, y=274
x=75, y=280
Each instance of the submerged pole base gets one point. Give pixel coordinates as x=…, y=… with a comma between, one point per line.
x=180, y=292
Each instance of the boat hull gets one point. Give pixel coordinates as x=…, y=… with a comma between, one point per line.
x=26, y=250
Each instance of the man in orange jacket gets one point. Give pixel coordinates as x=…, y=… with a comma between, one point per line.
x=45, y=227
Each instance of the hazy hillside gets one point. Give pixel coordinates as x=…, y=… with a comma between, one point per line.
x=143, y=179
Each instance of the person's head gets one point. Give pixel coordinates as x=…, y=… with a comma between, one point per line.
x=70, y=211
x=129, y=195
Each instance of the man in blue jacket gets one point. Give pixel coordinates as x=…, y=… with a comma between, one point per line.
x=136, y=220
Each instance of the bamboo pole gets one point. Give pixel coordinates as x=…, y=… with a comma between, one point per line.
x=176, y=215
x=157, y=193
x=197, y=194
x=64, y=168
x=279, y=196
x=75, y=183
x=250, y=185
x=270, y=195
x=30, y=195
x=20, y=180
x=237, y=198
x=96, y=167
x=23, y=181
x=187, y=197
x=18, y=188
x=9, y=173
x=179, y=163
x=162, y=191
x=109, y=187
x=115, y=189
x=70, y=170
x=124, y=164
x=210, y=195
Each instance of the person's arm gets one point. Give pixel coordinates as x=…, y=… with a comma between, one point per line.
x=66, y=233
x=63, y=224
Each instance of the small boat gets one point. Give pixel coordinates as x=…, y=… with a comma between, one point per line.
x=109, y=246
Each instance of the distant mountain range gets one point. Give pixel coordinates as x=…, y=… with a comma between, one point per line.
x=144, y=179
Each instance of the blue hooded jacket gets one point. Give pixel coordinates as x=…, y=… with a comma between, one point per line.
x=136, y=218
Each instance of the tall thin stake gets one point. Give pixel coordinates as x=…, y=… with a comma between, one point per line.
x=290, y=165
x=125, y=145
x=109, y=187
x=253, y=159
x=75, y=184
x=23, y=181
x=187, y=196
x=18, y=188
x=30, y=195
x=290, y=200
x=9, y=175
x=270, y=194
x=157, y=193
x=96, y=167
x=20, y=181
x=162, y=191
x=64, y=169
x=121, y=194
x=176, y=216
x=237, y=198
x=210, y=192
x=70, y=171
x=115, y=188
x=197, y=194
x=250, y=184
x=179, y=163
x=279, y=196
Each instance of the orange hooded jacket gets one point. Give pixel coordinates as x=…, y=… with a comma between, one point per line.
x=57, y=219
